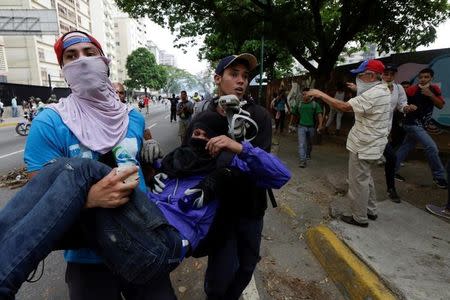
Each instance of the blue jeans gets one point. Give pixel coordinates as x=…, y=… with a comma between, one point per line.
x=305, y=135
x=14, y=112
x=134, y=240
x=417, y=134
x=230, y=268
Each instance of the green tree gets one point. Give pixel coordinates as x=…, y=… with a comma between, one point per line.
x=315, y=32
x=144, y=72
x=178, y=80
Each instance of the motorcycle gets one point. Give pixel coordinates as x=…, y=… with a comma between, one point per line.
x=23, y=128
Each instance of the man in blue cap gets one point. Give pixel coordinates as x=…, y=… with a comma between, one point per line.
x=366, y=140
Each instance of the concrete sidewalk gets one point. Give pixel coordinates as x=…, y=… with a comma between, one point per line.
x=404, y=254
x=8, y=122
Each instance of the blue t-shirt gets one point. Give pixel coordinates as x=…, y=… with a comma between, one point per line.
x=50, y=138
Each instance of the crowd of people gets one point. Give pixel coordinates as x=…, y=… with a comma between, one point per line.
x=126, y=216
x=123, y=231
x=390, y=119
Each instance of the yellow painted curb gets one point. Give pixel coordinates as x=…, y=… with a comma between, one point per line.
x=352, y=277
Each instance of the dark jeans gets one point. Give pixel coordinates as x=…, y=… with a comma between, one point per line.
x=231, y=267
x=98, y=282
x=279, y=123
x=389, y=166
x=173, y=115
x=134, y=240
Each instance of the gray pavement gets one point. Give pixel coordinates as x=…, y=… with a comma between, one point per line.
x=407, y=247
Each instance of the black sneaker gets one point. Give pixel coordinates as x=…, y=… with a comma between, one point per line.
x=441, y=183
x=392, y=193
x=399, y=177
x=350, y=220
x=302, y=164
x=372, y=217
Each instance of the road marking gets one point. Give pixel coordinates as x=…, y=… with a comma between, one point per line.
x=166, y=117
x=12, y=153
x=251, y=292
x=153, y=125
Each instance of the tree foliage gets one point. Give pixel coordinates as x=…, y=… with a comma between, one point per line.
x=315, y=32
x=178, y=80
x=143, y=71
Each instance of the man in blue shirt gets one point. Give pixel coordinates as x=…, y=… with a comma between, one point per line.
x=91, y=123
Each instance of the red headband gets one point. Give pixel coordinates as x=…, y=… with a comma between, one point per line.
x=59, y=45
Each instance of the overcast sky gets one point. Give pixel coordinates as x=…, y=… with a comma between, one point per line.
x=189, y=61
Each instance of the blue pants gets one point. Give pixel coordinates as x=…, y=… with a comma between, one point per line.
x=417, y=134
x=231, y=267
x=305, y=135
x=134, y=240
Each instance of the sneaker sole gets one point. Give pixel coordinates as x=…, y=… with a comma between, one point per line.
x=437, y=210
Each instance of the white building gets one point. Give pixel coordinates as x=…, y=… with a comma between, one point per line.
x=167, y=59
x=130, y=34
x=151, y=46
x=31, y=59
x=102, y=15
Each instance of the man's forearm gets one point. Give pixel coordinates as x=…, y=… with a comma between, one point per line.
x=437, y=101
x=337, y=104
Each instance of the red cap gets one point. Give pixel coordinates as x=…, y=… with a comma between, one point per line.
x=373, y=65
x=82, y=37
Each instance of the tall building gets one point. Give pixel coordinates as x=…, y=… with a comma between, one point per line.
x=167, y=59
x=102, y=15
x=130, y=34
x=151, y=46
x=30, y=59
x=3, y=62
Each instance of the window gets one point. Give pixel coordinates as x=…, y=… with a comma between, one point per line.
x=41, y=54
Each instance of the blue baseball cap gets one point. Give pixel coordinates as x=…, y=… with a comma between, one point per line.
x=227, y=61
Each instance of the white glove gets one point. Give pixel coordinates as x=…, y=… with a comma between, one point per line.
x=198, y=202
x=158, y=185
x=151, y=151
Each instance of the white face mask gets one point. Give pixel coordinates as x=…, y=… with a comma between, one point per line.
x=87, y=76
x=362, y=86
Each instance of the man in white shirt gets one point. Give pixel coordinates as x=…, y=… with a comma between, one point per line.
x=366, y=140
x=399, y=102
x=14, y=112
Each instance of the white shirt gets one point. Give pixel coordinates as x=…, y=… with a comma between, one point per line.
x=368, y=136
x=398, y=101
x=14, y=102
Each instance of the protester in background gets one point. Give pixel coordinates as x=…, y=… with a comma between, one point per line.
x=339, y=95
x=91, y=123
x=185, y=109
x=52, y=99
x=280, y=105
x=1, y=111
x=173, y=108
x=14, y=108
x=146, y=104
x=120, y=91
x=366, y=140
x=196, y=97
x=405, y=84
x=307, y=112
x=425, y=96
x=398, y=104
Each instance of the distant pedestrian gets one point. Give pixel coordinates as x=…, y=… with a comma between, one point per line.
x=14, y=109
x=426, y=96
x=307, y=112
x=173, y=108
x=339, y=95
x=1, y=111
x=146, y=104
x=185, y=109
x=281, y=106
x=367, y=138
x=196, y=97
